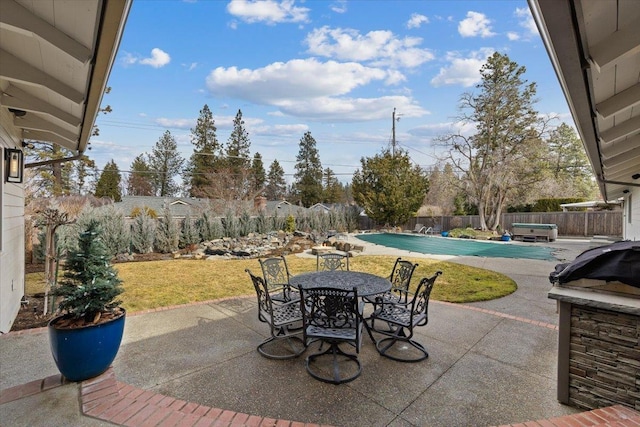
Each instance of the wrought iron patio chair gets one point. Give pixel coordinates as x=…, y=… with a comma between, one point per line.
x=400, y=279
x=284, y=320
x=276, y=275
x=403, y=318
x=332, y=262
x=332, y=316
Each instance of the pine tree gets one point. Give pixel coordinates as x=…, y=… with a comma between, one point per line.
x=276, y=188
x=109, y=182
x=332, y=191
x=308, y=176
x=206, y=155
x=140, y=182
x=258, y=175
x=90, y=285
x=496, y=162
x=237, y=152
x=165, y=162
x=53, y=179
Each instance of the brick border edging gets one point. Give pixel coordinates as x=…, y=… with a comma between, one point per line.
x=110, y=400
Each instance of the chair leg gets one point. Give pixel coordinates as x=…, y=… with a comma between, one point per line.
x=385, y=344
x=335, y=352
x=295, y=347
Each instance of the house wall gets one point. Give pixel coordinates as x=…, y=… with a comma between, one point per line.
x=11, y=234
x=631, y=215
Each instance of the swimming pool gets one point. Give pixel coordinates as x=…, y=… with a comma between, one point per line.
x=451, y=246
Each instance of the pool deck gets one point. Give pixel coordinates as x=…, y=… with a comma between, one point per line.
x=491, y=363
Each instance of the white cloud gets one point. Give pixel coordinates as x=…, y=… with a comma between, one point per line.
x=513, y=36
x=268, y=11
x=281, y=130
x=312, y=89
x=476, y=24
x=298, y=78
x=526, y=20
x=176, y=123
x=190, y=67
x=462, y=71
x=380, y=48
x=417, y=20
x=351, y=109
x=159, y=58
x=339, y=6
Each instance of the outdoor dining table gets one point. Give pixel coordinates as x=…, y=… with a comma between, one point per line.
x=366, y=283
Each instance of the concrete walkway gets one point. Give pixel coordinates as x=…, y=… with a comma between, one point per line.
x=490, y=363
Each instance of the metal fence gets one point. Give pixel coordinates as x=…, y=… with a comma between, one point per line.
x=571, y=224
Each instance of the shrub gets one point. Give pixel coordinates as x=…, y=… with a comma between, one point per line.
x=167, y=233
x=262, y=223
x=143, y=231
x=188, y=233
x=231, y=226
x=291, y=224
x=246, y=224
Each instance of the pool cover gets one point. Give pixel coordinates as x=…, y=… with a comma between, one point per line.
x=462, y=247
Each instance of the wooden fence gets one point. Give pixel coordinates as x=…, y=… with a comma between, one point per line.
x=570, y=224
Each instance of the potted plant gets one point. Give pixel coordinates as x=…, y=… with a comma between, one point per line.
x=86, y=337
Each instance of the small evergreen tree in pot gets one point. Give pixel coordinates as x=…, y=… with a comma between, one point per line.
x=86, y=337
x=91, y=284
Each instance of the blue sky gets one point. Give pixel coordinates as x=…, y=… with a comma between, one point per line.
x=334, y=68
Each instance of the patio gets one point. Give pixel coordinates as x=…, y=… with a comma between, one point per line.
x=490, y=363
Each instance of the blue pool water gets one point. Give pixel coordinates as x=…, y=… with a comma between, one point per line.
x=465, y=247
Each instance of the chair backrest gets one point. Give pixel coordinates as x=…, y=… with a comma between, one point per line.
x=332, y=262
x=401, y=277
x=265, y=307
x=326, y=311
x=275, y=271
x=420, y=301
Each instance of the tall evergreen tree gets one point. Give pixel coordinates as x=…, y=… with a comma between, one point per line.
x=332, y=191
x=238, y=144
x=109, y=183
x=206, y=155
x=53, y=179
x=258, y=174
x=308, y=176
x=276, y=188
x=165, y=162
x=140, y=182
x=389, y=187
x=83, y=179
x=497, y=161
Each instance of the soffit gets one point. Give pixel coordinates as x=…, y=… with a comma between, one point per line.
x=55, y=59
x=595, y=49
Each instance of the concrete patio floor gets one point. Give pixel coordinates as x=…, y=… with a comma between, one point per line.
x=491, y=363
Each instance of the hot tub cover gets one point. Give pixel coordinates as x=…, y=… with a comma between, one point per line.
x=618, y=261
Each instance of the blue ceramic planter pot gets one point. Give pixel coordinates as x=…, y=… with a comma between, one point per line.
x=86, y=352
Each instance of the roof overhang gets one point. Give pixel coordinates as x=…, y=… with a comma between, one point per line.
x=595, y=49
x=55, y=60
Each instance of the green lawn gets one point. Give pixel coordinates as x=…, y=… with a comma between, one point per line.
x=156, y=284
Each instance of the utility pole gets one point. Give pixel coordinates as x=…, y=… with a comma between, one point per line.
x=393, y=132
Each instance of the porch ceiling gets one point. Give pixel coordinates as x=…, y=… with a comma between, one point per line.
x=595, y=49
x=55, y=59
